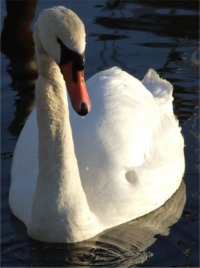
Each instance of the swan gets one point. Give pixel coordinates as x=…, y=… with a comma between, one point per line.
x=74, y=176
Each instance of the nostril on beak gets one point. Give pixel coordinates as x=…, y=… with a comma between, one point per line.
x=84, y=109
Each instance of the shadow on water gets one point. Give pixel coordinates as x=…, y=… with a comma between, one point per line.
x=134, y=35
x=124, y=245
x=178, y=21
x=17, y=45
x=149, y=19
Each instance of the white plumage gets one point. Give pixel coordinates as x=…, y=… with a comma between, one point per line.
x=122, y=161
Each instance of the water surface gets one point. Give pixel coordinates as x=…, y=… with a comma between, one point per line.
x=134, y=35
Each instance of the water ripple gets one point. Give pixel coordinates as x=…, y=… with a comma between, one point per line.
x=125, y=245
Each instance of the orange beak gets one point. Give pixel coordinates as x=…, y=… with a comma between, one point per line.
x=76, y=87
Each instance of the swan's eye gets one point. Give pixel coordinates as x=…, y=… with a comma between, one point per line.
x=68, y=55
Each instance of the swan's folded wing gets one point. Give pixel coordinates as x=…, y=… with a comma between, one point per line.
x=160, y=88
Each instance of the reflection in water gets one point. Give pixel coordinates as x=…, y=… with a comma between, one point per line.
x=150, y=19
x=125, y=245
x=164, y=19
x=120, y=16
x=193, y=5
x=17, y=45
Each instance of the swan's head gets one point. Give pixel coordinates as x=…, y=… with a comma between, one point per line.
x=62, y=36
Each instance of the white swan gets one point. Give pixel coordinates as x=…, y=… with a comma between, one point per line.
x=72, y=178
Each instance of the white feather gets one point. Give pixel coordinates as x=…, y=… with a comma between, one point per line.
x=122, y=161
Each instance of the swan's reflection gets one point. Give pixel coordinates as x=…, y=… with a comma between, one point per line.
x=125, y=245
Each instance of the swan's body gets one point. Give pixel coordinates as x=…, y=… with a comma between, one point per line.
x=86, y=175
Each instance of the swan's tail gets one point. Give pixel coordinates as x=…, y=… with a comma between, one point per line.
x=160, y=88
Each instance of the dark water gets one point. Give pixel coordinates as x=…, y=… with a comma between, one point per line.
x=134, y=35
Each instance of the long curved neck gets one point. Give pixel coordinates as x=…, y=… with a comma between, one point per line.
x=57, y=160
x=56, y=148
x=56, y=208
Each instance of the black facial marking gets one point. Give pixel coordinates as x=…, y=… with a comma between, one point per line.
x=74, y=75
x=70, y=55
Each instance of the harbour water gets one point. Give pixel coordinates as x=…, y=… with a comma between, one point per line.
x=134, y=35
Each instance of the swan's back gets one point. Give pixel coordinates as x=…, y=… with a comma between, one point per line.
x=132, y=134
